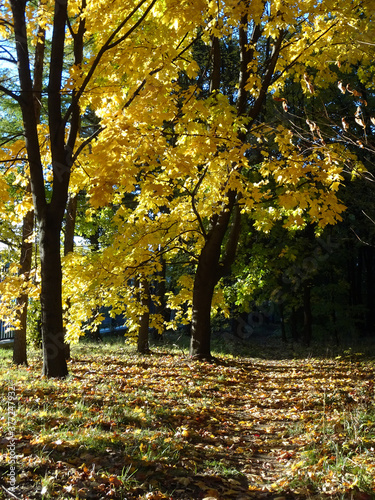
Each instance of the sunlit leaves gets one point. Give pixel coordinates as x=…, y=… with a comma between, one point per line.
x=177, y=151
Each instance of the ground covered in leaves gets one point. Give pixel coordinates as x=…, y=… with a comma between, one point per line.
x=126, y=426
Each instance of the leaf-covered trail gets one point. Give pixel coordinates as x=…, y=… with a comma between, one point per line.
x=163, y=426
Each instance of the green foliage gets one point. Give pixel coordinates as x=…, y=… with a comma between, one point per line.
x=33, y=331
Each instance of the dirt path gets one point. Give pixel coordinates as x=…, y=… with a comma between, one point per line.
x=165, y=427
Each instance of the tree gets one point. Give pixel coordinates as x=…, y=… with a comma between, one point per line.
x=205, y=157
x=62, y=128
x=144, y=322
x=261, y=69
x=192, y=156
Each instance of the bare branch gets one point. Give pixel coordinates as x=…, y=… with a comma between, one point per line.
x=86, y=142
x=193, y=204
x=10, y=93
x=8, y=492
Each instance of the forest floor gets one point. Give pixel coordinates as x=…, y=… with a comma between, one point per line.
x=274, y=424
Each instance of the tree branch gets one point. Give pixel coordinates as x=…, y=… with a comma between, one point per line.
x=86, y=142
x=193, y=205
x=107, y=46
x=56, y=126
x=256, y=108
x=8, y=492
x=292, y=63
x=10, y=93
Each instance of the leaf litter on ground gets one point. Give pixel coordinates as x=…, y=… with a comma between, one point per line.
x=164, y=426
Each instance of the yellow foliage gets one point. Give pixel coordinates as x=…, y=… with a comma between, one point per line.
x=177, y=152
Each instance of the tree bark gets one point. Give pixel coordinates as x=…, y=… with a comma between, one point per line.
x=20, y=343
x=209, y=271
x=19, y=347
x=54, y=362
x=70, y=224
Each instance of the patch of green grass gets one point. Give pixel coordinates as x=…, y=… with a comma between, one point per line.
x=340, y=456
x=125, y=425
x=221, y=468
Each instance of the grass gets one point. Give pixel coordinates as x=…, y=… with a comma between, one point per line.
x=272, y=421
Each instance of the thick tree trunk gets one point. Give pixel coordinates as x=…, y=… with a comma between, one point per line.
x=49, y=215
x=20, y=343
x=54, y=362
x=208, y=273
x=204, y=286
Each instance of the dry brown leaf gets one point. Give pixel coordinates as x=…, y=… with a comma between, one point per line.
x=345, y=124
x=308, y=83
x=341, y=87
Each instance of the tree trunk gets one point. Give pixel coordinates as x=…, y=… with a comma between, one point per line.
x=144, y=320
x=208, y=273
x=209, y=269
x=70, y=224
x=19, y=348
x=204, y=285
x=54, y=362
x=20, y=344
x=49, y=215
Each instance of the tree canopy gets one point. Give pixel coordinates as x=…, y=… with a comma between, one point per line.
x=172, y=124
